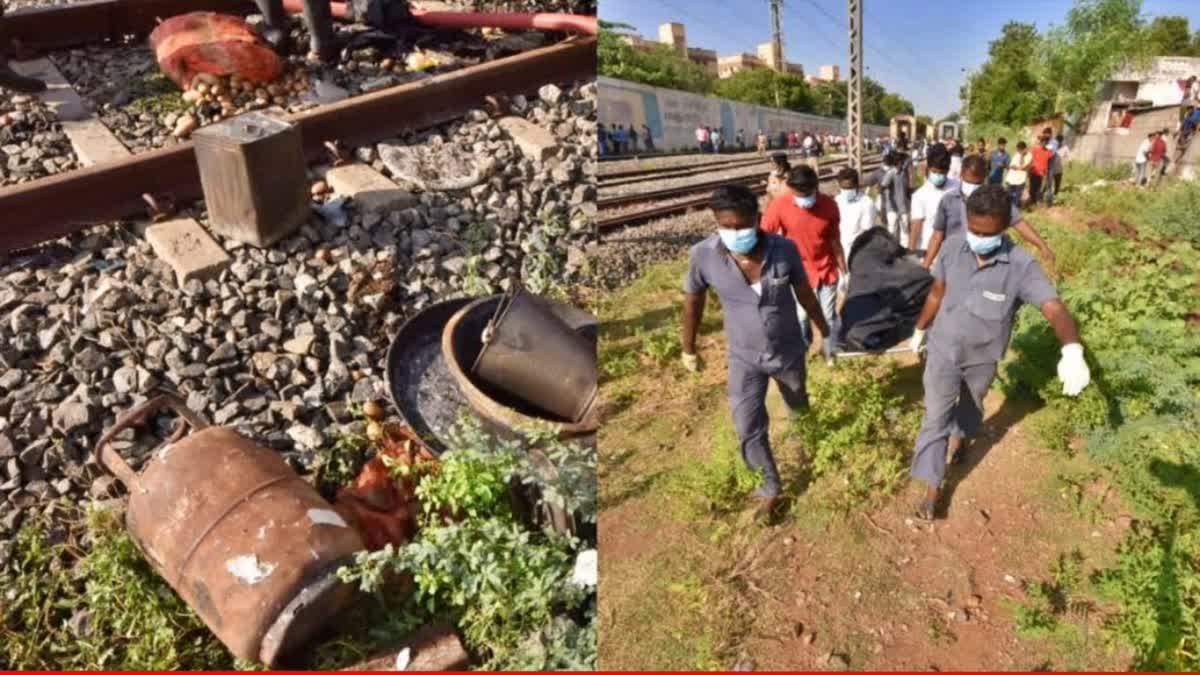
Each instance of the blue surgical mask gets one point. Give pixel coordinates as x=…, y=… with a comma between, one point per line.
x=968, y=188
x=849, y=194
x=984, y=245
x=938, y=179
x=806, y=202
x=739, y=241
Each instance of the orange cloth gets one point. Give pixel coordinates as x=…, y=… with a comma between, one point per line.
x=1041, y=160
x=814, y=232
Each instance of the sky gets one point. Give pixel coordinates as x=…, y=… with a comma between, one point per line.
x=918, y=48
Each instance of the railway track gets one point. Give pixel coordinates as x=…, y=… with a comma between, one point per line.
x=616, y=221
x=115, y=184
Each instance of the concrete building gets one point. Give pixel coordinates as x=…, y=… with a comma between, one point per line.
x=728, y=65
x=830, y=73
x=766, y=54
x=674, y=35
x=1132, y=104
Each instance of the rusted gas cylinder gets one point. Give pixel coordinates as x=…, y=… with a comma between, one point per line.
x=247, y=543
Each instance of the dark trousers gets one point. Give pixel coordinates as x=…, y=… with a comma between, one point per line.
x=1035, y=188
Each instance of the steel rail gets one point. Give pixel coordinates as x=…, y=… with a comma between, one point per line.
x=679, y=208
x=618, y=201
x=48, y=208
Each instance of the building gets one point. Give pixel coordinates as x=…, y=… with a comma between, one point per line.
x=1132, y=104
x=673, y=35
x=735, y=63
x=766, y=54
x=830, y=73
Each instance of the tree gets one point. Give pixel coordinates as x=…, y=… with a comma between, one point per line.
x=658, y=66
x=760, y=86
x=1099, y=37
x=1005, y=90
x=1171, y=36
x=829, y=99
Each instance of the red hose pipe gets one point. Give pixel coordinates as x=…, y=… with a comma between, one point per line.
x=509, y=21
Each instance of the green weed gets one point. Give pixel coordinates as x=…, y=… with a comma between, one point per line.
x=79, y=595
x=508, y=588
x=719, y=483
x=661, y=346
x=859, y=436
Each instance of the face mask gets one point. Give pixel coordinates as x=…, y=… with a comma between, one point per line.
x=806, y=202
x=849, y=194
x=938, y=179
x=739, y=241
x=968, y=188
x=983, y=245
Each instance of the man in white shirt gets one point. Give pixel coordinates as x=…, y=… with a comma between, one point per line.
x=956, y=160
x=926, y=199
x=857, y=214
x=1141, y=159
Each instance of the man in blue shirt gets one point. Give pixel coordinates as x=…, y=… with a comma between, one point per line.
x=980, y=282
x=999, y=163
x=758, y=278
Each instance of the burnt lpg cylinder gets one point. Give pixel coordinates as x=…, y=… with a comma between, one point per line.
x=247, y=543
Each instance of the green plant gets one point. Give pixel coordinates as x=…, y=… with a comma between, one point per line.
x=339, y=464
x=473, y=283
x=616, y=363
x=1172, y=213
x=716, y=484
x=1048, y=601
x=509, y=589
x=543, y=264
x=860, y=434
x=79, y=595
x=662, y=345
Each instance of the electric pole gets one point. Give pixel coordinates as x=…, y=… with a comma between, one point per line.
x=777, y=44
x=854, y=84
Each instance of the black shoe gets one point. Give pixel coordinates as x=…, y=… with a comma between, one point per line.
x=19, y=83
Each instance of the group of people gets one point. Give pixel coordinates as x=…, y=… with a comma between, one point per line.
x=777, y=270
x=714, y=139
x=1150, y=163
x=620, y=140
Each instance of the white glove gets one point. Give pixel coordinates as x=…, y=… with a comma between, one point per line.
x=844, y=283
x=691, y=362
x=1073, y=370
x=918, y=341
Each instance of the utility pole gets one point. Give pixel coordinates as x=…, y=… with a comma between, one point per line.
x=854, y=84
x=777, y=44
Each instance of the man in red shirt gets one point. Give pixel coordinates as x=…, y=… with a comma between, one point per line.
x=1040, y=168
x=1158, y=157
x=812, y=222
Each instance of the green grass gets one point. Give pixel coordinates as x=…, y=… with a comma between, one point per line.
x=79, y=595
x=1139, y=422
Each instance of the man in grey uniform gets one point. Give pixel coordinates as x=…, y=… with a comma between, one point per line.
x=755, y=276
x=979, y=284
x=950, y=218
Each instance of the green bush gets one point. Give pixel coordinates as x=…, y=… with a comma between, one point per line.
x=1174, y=213
x=859, y=433
x=88, y=600
x=508, y=588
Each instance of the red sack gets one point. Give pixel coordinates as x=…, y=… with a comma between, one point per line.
x=219, y=44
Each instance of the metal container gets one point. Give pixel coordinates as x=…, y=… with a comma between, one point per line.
x=252, y=169
x=531, y=353
x=501, y=411
x=247, y=543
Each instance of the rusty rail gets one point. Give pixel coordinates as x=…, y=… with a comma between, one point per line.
x=48, y=28
x=52, y=207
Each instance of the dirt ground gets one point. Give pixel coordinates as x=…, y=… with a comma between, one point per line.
x=819, y=589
